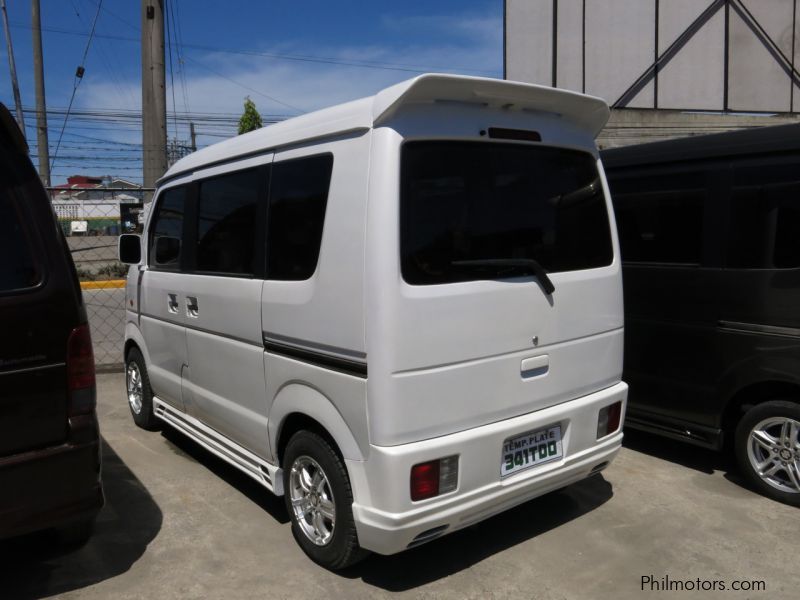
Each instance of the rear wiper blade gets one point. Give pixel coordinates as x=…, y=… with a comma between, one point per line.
x=530, y=263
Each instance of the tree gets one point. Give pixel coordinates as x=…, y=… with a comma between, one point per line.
x=250, y=120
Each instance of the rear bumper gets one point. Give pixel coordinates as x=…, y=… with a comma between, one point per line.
x=49, y=487
x=388, y=521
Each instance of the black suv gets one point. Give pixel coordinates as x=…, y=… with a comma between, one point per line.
x=49, y=439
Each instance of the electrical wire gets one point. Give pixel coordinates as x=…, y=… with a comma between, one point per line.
x=367, y=64
x=78, y=79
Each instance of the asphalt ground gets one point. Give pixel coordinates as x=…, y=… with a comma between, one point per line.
x=180, y=523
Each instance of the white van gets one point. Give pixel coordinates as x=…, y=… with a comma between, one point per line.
x=403, y=313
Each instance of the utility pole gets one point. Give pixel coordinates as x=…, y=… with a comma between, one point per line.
x=13, y=67
x=193, y=136
x=154, y=93
x=41, y=109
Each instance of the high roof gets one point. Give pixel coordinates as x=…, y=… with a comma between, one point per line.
x=758, y=140
x=586, y=112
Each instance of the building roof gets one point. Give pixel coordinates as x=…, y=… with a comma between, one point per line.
x=80, y=182
x=586, y=112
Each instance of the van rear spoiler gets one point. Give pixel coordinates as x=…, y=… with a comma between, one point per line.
x=586, y=112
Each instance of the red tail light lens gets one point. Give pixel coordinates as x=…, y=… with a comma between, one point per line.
x=608, y=419
x=425, y=480
x=80, y=371
x=434, y=477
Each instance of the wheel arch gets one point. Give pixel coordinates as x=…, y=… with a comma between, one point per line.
x=754, y=394
x=134, y=339
x=298, y=406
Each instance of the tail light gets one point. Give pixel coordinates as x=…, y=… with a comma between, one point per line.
x=434, y=477
x=80, y=371
x=608, y=419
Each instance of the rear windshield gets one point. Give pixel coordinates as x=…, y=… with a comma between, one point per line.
x=472, y=210
x=17, y=267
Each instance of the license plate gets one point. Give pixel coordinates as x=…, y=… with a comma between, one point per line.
x=530, y=449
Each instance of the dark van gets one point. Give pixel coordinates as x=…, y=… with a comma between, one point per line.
x=710, y=235
x=49, y=440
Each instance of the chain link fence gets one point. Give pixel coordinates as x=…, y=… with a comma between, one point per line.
x=93, y=217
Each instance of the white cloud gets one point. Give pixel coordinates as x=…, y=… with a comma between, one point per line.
x=471, y=45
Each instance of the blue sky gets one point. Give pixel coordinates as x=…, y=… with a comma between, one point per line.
x=288, y=56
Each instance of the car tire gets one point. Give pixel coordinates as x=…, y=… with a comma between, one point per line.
x=76, y=534
x=767, y=449
x=139, y=392
x=319, y=501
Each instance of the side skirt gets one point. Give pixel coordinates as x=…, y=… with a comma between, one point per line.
x=268, y=475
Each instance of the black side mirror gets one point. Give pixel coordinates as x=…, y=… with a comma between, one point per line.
x=130, y=249
x=168, y=250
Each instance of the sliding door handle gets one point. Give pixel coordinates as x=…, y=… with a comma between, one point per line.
x=191, y=306
x=172, y=303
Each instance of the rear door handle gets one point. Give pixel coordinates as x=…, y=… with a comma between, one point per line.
x=172, y=303
x=535, y=366
x=191, y=306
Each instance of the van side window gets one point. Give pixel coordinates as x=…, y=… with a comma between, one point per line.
x=660, y=217
x=227, y=223
x=764, y=230
x=166, y=231
x=298, y=197
x=18, y=270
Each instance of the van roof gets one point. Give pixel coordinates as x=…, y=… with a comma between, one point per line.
x=586, y=112
x=758, y=140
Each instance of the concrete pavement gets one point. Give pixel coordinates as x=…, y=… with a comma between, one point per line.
x=180, y=523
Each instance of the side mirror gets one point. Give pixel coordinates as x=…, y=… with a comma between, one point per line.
x=168, y=250
x=129, y=249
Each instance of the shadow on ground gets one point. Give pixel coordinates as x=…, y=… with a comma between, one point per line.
x=462, y=549
x=687, y=455
x=442, y=557
x=38, y=565
x=253, y=490
x=675, y=451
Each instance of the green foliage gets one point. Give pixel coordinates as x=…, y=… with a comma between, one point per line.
x=113, y=270
x=250, y=120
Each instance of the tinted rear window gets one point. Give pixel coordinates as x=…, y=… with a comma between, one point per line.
x=17, y=267
x=764, y=230
x=297, y=201
x=466, y=202
x=227, y=223
x=660, y=217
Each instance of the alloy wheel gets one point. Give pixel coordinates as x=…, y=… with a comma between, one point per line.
x=312, y=500
x=133, y=379
x=774, y=452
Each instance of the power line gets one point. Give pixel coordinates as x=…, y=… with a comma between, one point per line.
x=171, y=72
x=366, y=64
x=247, y=87
x=178, y=44
x=78, y=79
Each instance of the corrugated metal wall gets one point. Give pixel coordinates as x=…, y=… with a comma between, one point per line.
x=733, y=55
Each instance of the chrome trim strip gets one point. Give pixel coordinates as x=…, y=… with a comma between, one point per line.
x=268, y=475
x=30, y=369
x=775, y=330
x=318, y=359
x=333, y=351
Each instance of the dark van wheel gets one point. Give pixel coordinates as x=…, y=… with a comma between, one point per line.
x=319, y=501
x=140, y=396
x=768, y=449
